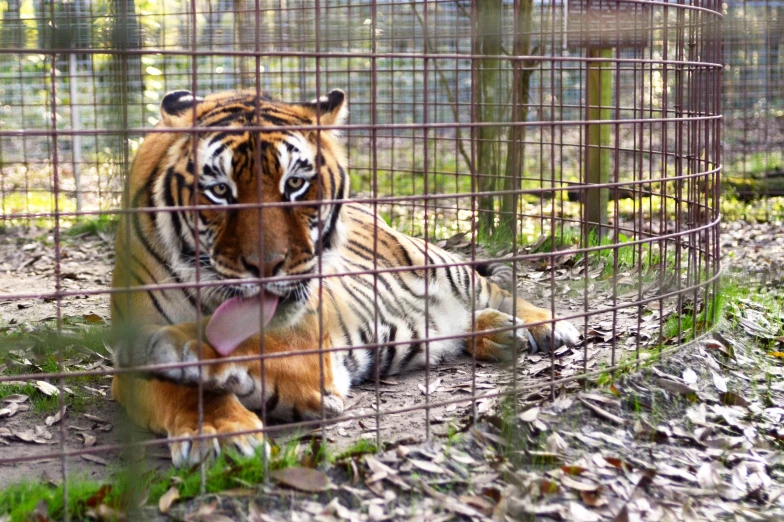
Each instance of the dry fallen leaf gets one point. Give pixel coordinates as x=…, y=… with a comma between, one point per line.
x=676, y=387
x=579, y=485
x=46, y=388
x=431, y=388
x=57, y=417
x=529, y=415
x=427, y=466
x=168, y=498
x=303, y=479
x=480, y=503
x=690, y=376
x=337, y=509
x=38, y=436
x=10, y=410
x=708, y=476
x=602, y=413
x=16, y=397
x=555, y=443
x=92, y=318
x=578, y=513
x=719, y=381
x=95, y=458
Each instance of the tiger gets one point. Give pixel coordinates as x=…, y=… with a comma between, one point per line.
x=239, y=239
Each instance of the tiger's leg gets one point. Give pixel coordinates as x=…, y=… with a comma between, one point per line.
x=501, y=345
x=549, y=334
x=292, y=384
x=544, y=334
x=173, y=410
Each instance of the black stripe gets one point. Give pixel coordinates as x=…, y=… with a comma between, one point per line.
x=452, y=284
x=390, y=351
x=414, y=349
x=341, y=322
x=368, y=313
x=272, y=402
x=154, y=300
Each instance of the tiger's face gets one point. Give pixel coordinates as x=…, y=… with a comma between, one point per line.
x=267, y=198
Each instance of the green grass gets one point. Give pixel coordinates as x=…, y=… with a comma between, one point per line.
x=127, y=486
x=757, y=163
x=76, y=402
x=104, y=223
x=728, y=305
x=360, y=447
x=34, y=202
x=646, y=257
x=19, y=500
x=75, y=336
x=40, y=351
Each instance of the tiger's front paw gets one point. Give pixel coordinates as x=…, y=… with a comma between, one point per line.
x=167, y=345
x=505, y=334
x=302, y=404
x=220, y=430
x=177, y=349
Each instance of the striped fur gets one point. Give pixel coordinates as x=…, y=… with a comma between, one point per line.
x=366, y=294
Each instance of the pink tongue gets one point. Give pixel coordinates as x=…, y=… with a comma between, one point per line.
x=239, y=318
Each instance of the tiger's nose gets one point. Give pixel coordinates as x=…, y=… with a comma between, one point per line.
x=270, y=267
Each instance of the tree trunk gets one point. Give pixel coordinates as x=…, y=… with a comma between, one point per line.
x=488, y=98
x=515, y=154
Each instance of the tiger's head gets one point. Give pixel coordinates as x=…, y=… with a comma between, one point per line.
x=267, y=194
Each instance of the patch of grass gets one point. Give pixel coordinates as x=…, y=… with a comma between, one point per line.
x=104, y=223
x=75, y=402
x=646, y=257
x=41, y=350
x=75, y=336
x=360, y=447
x=34, y=202
x=19, y=500
x=757, y=163
x=127, y=487
x=763, y=210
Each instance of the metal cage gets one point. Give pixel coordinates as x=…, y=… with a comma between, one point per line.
x=578, y=142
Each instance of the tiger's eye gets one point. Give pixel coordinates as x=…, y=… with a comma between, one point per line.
x=295, y=183
x=220, y=190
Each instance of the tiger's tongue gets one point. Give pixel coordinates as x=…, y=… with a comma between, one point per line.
x=239, y=318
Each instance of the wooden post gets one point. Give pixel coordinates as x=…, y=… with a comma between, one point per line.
x=597, y=156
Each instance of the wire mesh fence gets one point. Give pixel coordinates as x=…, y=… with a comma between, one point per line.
x=517, y=150
x=753, y=107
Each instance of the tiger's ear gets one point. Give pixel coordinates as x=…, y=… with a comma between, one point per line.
x=176, y=108
x=328, y=110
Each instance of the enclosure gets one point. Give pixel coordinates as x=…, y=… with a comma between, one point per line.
x=577, y=142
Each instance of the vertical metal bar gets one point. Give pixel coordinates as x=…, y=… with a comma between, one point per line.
x=374, y=182
x=58, y=271
x=426, y=234
x=196, y=239
x=76, y=139
x=260, y=196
